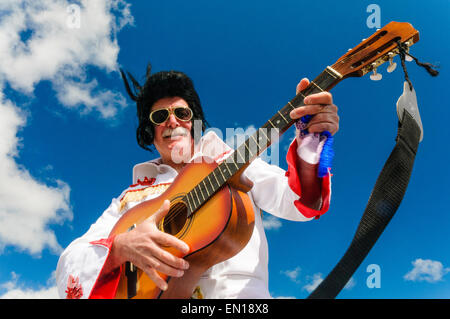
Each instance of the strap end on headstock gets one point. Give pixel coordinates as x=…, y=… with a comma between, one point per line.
x=377, y=49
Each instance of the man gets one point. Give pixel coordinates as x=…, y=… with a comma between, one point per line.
x=167, y=107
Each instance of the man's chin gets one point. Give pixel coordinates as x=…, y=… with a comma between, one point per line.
x=180, y=147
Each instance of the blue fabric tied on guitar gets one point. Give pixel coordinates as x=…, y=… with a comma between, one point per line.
x=327, y=153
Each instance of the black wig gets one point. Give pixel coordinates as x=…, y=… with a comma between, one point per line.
x=157, y=86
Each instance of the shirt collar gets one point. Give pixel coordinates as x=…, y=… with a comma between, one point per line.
x=209, y=145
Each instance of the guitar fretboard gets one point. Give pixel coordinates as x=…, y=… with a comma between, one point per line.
x=256, y=143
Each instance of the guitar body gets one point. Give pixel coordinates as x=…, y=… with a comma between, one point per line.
x=217, y=231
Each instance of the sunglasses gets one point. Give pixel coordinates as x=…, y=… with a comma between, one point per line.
x=159, y=116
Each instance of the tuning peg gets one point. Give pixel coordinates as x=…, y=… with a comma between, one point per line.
x=407, y=57
x=392, y=65
x=375, y=76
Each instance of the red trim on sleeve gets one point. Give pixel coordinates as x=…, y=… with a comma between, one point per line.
x=105, y=286
x=294, y=184
x=106, y=242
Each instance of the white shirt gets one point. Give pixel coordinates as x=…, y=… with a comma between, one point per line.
x=243, y=276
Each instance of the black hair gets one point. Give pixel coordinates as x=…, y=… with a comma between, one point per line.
x=157, y=86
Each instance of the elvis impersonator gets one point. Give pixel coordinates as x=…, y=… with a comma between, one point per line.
x=167, y=106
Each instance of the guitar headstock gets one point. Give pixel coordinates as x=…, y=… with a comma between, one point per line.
x=379, y=48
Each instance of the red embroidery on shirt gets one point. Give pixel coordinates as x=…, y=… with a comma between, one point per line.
x=74, y=289
x=141, y=189
x=145, y=182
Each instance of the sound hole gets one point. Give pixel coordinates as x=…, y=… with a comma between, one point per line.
x=175, y=219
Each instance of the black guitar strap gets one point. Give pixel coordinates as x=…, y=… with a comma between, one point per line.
x=389, y=189
x=384, y=201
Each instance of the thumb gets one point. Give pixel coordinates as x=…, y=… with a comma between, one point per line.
x=161, y=212
x=303, y=84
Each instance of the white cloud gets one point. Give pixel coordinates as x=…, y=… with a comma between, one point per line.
x=350, y=284
x=313, y=282
x=426, y=270
x=39, y=42
x=13, y=290
x=26, y=205
x=27, y=293
x=292, y=274
x=271, y=222
x=87, y=97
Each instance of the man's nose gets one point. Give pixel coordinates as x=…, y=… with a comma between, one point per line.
x=172, y=121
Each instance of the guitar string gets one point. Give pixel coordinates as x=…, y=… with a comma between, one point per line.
x=174, y=213
x=180, y=210
x=177, y=211
x=390, y=42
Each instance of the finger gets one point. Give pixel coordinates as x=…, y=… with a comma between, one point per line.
x=169, y=258
x=311, y=110
x=319, y=98
x=303, y=84
x=161, y=212
x=324, y=121
x=323, y=126
x=325, y=116
x=156, y=278
x=171, y=241
x=160, y=266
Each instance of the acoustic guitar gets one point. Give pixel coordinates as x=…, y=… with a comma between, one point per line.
x=209, y=208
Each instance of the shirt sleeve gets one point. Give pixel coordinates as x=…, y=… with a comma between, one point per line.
x=80, y=264
x=278, y=192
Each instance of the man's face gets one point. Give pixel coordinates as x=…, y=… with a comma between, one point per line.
x=173, y=138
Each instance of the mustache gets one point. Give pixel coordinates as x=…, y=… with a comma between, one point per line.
x=175, y=132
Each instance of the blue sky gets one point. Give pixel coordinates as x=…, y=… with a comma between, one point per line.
x=67, y=133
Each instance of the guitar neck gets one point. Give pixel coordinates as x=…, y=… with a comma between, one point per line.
x=257, y=142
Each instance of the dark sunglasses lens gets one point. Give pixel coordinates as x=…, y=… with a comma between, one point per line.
x=160, y=116
x=183, y=113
